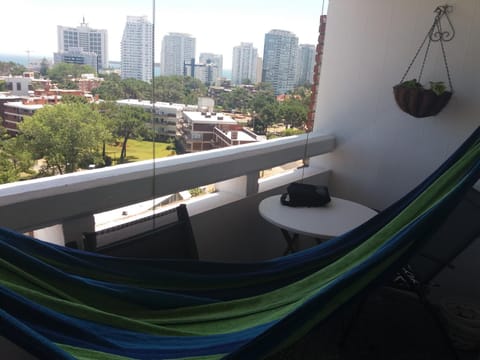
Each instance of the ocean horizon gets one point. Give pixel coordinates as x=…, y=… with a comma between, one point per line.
x=23, y=59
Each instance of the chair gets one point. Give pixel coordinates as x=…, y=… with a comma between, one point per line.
x=168, y=234
x=437, y=252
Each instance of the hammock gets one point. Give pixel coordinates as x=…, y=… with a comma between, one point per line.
x=63, y=303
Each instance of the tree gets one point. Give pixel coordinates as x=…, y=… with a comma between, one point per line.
x=193, y=89
x=269, y=115
x=174, y=89
x=11, y=68
x=128, y=122
x=170, y=89
x=110, y=89
x=303, y=93
x=44, y=67
x=136, y=89
x=262, y=99
x=239, y=98
x=65, y=136
x=294, y=112
x=64, y=73
x=14, y=160
x=74, y=99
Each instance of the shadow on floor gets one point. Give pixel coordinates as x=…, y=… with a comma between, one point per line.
x=391, y=324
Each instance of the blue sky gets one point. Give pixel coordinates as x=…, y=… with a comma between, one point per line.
x=217, y=25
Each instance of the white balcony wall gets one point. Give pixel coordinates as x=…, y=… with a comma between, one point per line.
x=71, y=200
x=381, y=151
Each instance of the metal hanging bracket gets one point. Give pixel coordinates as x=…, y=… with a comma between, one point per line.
x=436, y=33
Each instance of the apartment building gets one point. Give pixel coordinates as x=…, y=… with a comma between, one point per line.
x=203, y=130
x=280, y=60
x=244, y=64
x=137, y=49
x=77, y=56
x=178, y=49
x=214, y=59
x=85, y=38
x=305, y=64
x=15, y=111
x=18, y=85
x=207, y=73
x=168, y=116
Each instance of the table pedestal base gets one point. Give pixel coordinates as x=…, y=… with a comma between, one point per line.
x=292, y=242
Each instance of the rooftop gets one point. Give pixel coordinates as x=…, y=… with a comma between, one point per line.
x=209, y=118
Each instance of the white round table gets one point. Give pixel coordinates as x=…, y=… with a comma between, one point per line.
x=325, y=222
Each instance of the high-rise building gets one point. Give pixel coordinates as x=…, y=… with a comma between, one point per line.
x=259, y=69
x=207, y=73
x=85, y=38
x=244, y=64
x=77, y=56
x=137, y=49
x=280, y=60
x=305, y=64
x=178, y=50
x=212, y=60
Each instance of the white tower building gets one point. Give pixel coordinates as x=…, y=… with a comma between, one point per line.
x=137, y=49
x=178, y=49
x=244, y=63
x=85, y=38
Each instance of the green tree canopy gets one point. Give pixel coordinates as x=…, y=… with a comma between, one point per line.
x=110, y=89
x=193, y=89
x=11, y=68
x=136, y=89
x=114, y=88
x=75, y=99
x=44, y=66
x=65, y=136
x=14, y=160
x=170, y=89
x=179, y=89
x=269, y=114
x=293, y=112
x=239, y=99
x=174, y=89
x=127, y=122
x=63, y=73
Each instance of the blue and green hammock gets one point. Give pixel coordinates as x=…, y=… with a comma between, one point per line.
x=63, y=303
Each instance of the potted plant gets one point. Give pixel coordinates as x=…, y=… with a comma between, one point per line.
x=418, y=101
x=411, y=96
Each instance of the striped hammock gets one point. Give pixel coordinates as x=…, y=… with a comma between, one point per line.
x=63, y=303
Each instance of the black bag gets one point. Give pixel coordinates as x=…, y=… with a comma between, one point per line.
x=305, y=195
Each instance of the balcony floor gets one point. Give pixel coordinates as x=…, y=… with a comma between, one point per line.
x=391, y=325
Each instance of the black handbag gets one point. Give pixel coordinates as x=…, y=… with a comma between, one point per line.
x=308, y=195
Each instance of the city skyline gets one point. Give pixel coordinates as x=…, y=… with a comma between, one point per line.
x=218, y=27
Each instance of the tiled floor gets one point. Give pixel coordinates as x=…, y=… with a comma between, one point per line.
x=390, y=325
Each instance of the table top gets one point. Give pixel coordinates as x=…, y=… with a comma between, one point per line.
x=336, y=218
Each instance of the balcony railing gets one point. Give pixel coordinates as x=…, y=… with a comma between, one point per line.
x=72, y=199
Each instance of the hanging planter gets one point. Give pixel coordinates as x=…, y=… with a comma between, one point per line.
x=411, y=96
x=419, y=102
